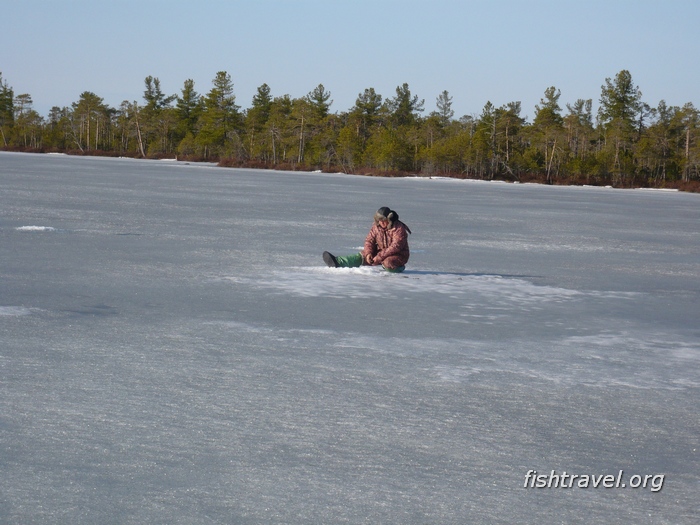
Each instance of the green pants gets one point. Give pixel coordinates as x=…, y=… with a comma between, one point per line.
x=355, y=261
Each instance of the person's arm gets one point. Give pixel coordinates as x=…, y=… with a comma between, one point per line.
x=370, y=246
x=398, y=242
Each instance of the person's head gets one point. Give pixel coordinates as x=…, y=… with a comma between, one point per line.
x=386, y=217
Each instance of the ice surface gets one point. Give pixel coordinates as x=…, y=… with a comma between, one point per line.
x=173, y=350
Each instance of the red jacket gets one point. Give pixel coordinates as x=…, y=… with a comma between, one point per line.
x=388, y=246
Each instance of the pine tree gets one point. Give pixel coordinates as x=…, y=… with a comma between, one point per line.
x=404, y=107
x=7, y=110
x=444, y=107
x=690, y=120
x=366, y=113
x=279, y=127
x=220, y=119
x=188, y=110
x=255, y=120
x=158, y=121
x=620, y=103
x=90, y=119
x=548, y=130
x=318, y=98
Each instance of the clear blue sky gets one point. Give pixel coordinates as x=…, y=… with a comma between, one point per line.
x=487, y=50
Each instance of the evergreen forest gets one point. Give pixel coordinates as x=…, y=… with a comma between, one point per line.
x=626, y=143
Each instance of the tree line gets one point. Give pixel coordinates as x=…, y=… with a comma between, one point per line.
x=627, y=143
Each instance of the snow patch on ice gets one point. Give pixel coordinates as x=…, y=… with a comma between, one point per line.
x=614, y=351
x=367, y=282
x=617, y=360
x=14, y=311
x=584, y=245
x=666, y=344
x=35, y=229
x=686, y=351
x=604, y=360
x=453, y=374
x=238, y=326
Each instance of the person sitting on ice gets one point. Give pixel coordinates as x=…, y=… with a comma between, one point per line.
x=386, y=244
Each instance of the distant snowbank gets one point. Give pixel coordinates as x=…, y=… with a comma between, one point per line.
x=589, y=187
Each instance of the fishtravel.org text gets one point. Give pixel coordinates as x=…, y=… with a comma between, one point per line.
x=533, y=480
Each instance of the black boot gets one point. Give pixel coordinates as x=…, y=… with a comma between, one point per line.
x=330, y=260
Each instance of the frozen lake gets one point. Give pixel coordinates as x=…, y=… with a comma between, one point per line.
x=173, y=350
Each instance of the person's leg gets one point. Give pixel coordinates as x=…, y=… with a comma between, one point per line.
x=342, y=261
x=349, y=261
x=393, y=265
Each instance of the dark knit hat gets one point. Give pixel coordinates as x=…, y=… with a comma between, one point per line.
x=386, y=214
